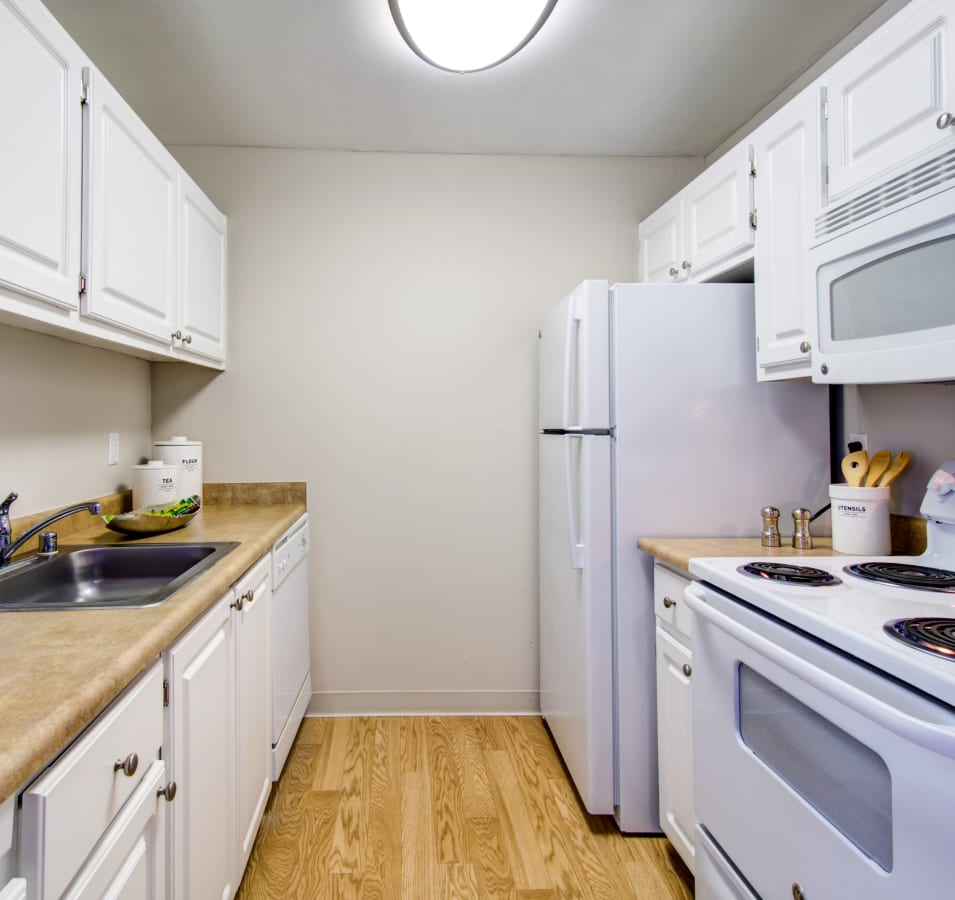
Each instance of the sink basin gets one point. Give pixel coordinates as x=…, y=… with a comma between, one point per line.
x=106, y=577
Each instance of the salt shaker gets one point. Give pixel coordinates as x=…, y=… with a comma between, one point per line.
x=770, y=533
x=802, y=539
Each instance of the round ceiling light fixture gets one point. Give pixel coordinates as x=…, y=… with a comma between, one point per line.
x=468, y=35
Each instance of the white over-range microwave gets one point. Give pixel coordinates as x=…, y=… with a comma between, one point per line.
x=885, y=288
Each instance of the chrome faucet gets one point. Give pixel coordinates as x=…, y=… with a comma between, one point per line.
x=7, y=549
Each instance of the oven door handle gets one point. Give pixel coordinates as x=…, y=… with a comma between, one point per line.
x=932, y=736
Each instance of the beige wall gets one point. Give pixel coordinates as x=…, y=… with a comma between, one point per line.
x=60, y=401
x=383, y=321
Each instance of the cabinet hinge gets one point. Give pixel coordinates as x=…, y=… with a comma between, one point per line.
x=825, y=110
x=752, y=168
x=825, y=173
x=752, y=220
x=757, y=343
x=82, y=285
x=85, y=88
x=165, y=692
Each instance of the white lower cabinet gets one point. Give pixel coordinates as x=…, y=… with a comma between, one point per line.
x=14, y=889
x=219, y=739
x=674, y=665
x=93, y=819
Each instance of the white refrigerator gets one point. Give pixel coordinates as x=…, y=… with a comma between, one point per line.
x=652, y=423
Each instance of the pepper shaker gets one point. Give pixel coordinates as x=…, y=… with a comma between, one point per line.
x=802, y=539
x=770, y=533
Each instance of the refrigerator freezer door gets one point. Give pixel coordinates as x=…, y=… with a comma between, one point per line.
x=574, y=359
x=575, y=610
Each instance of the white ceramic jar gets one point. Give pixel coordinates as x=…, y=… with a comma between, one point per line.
x=860, y=520
x=155, y=483
x=188, y=456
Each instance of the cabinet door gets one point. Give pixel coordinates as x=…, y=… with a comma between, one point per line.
x=129, y=862
x=886, y=95
x=661, y=244
x=200, y=756
x=131, y=199
x=40, y=155
x=674, y=737
x=788, y=178
x=716, y=211
x=253, y=708
x=202, y=275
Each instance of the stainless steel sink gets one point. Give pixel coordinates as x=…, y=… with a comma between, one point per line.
x=106, y=577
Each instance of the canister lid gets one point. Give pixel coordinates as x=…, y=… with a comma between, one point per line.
x=157, y=464
x=177, y=440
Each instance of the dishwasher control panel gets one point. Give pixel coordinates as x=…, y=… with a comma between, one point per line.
x=291, y=549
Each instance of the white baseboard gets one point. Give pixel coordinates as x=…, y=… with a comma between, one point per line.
x=424, y=703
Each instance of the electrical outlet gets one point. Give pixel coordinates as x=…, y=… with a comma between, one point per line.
x=861, y=438
x=113, y=455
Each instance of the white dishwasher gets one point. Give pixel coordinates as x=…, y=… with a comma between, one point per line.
x=291, y=680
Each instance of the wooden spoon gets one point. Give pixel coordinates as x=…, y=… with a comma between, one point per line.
x=896, y=469
x=877, y=466
x=854, y=466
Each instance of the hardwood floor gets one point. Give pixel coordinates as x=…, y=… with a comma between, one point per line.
x=439, y=807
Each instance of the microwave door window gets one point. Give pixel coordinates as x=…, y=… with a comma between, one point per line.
x=911, y=290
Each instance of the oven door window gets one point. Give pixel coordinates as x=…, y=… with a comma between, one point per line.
x=841, y=778
x=906, y=291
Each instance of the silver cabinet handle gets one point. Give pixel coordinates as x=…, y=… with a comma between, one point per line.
x=805, y=347
x=176, y=335
x=187, y=338
x=168, y=792
x=238, y=603
x=669, y=603
x=687, y=669
x=127, y=766
x=249, y=596
x=944, y=120
x=686, y=265
x=674, y=272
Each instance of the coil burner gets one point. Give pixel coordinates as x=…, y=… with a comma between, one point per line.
x=922, y=578
x=786, y=573
x=935, y=636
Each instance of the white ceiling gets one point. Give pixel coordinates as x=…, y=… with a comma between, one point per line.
x=604, y=77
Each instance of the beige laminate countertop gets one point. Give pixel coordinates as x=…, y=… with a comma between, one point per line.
x=679, y=551
x=58, y=670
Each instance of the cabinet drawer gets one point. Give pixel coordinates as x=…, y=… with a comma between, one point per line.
x=668, y=601
x=70, y=806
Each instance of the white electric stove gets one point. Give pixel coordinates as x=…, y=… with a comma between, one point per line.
x=824, y=737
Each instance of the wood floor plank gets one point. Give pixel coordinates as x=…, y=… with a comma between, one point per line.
x=495, y=881
x=447, y=799
x=517, y=826
x=351, y=822
x=372, y=834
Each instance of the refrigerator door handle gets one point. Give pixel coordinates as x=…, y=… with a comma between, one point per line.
x=571, y=353
x=577, y=548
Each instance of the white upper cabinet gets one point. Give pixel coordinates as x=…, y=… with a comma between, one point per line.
x=132, y=193
x=787, y=187
x=886, y=96
x=201, y=320
x=40, y=155
x=717, y=212
x=661, y=243
x=704, y=230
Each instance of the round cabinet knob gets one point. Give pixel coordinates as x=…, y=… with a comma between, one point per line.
x=798, y=892
x=127, y=766
x=238, y=603
x=824, y=368
x=177, y=335
x=249, y=596
x=187, y=339
x=168, y=793
x=686, y=265
x=674, y=272
x=805, y=347
x=944, y=121
x=687, y=669
x=669, y=603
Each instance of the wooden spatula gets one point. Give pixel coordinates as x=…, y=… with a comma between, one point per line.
x=896, y=469
x=854, y=467
x=877, y=467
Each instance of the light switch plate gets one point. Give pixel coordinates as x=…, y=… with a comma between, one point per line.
x=113, y=457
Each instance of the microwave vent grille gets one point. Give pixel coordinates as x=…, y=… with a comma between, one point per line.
x=894, y=192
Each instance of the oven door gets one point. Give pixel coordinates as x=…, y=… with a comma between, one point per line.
x=818, y=776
